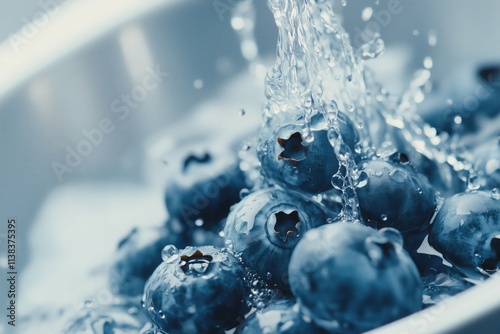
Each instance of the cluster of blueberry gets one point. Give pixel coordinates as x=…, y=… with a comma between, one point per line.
x=199, y=273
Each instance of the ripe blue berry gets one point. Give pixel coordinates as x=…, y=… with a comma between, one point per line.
x=204, y=186
x=394, y=195
x=265, y=227
x=467, y=232
x=292, y=162
x=353, y=277
x=196, y=290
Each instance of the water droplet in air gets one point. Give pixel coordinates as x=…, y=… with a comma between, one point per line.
x=372, y=49
x=383, y=217
x=366, y=14
x=432, y=38
x=428, y=63
x=198, y=84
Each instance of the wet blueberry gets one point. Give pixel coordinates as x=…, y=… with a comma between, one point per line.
x=196, y=290
x=280, y=316
x=138, y=254
x=467, y=232
x=288, y=159
x=354, y=278
x=204, y=185
x=265, y=227
x=468, y=98
x=394, y=195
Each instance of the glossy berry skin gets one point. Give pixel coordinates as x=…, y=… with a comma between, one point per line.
x=279, y=316
x=138, y=255
x=467, y=232
x=197, y=290
x=354, y=276
x=204, y=185
x=290, y=161
x=392, y=194
x=265, y=227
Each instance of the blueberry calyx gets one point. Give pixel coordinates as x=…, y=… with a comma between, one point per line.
x=193, y=158
x=196, y=263
x=286, y=225
x=492, y=264
x=401, y=158
x=293, y=148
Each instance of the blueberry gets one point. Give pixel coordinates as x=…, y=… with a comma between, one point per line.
x=468, y=97
x=196, y=290
x=265, y=227
x=292, y=162
x=352, y=277
x=467, y=232
x=204, y=185
x=124, y=318
x=279, y=316
x=392, y=194
x=138, y=254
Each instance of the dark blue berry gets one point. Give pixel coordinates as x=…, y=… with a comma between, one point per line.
x=204, y=185
x=265, y=227
x=196, y=290
x=352, y=277
x=292, y=162
x=468, y=98
x=392, y=194
x=467, y=232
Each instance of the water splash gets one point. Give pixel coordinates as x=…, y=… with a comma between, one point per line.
x=318, y=72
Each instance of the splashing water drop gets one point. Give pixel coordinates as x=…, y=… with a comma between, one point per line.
x=372, y=49
x=367, y=14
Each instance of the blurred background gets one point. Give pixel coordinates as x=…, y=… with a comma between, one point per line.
x=131, y=69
